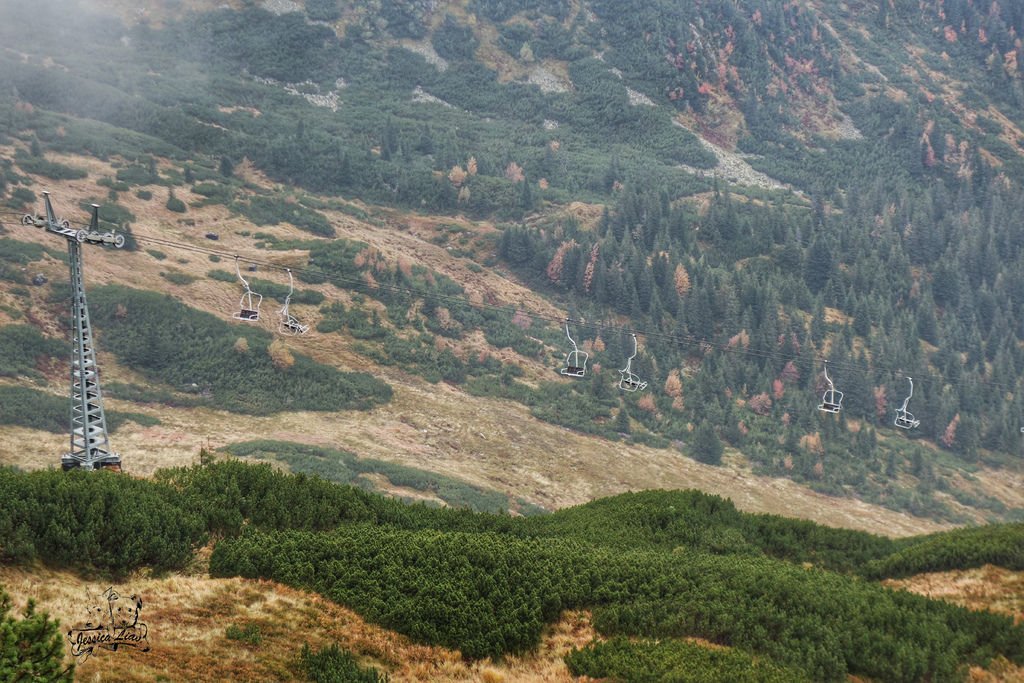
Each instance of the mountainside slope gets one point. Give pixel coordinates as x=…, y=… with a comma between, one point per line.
x=489, y=442
x=449, y=181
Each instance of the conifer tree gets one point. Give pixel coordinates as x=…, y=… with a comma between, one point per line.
x=706, y=446
x=31, y=648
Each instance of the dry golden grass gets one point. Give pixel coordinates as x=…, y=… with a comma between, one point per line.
x=187, y=617
x=834, y=315
x=989, y=588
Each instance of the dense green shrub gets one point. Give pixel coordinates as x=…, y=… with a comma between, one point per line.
x=250, y=634
x=271, y=211
x=115, y=185
x=33, y=646
x=231, y=493
x=14, y=255
x=20, y=197
x=826, y=624
x=48, y=169
x=186, y=398
x=998, y=544
x=138, y=175
x=482, y=594
x=23, y=347
x=112, y=215
x=176, y=345
x=175, y=204
x=336, y=316
x=334, y=665
x=215, y=192
x=177, y=277
x=488, y=584
x=665, y=520
x=673, y=660
x=706, y=446
x=487, y=594
x=98, y=520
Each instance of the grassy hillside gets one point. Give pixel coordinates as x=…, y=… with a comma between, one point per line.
x=238, y=370
x=487, y=585
x=409, y=483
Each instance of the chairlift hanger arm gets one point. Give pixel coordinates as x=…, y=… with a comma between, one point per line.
x=238, y=272
x=571, y=340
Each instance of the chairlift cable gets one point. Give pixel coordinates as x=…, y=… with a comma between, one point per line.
x=597, y=328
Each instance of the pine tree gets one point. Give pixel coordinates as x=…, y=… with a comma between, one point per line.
x=706, y=446
x=31, y=648
x=818, y=268
x=622, y=421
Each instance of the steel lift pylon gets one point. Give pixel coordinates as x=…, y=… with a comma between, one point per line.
x=90, y=445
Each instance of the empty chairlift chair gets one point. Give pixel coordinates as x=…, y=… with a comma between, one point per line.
x=904, y=418
x=575, y=360
x=629, y=381
x=249, y=305
x=289, y=325
x=832, y=400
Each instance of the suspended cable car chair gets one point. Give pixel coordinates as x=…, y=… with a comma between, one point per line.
x=904, y=418
x=575, y=360
x=629, y=381
x=832, y=400
x=249, y=305
x=289, y=325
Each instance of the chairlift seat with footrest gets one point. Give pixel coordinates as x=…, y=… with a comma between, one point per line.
x=289, y=323
x=831, y=400
x=575, y=360
x=629, y=381
x=249, y=304
x=904, y=418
